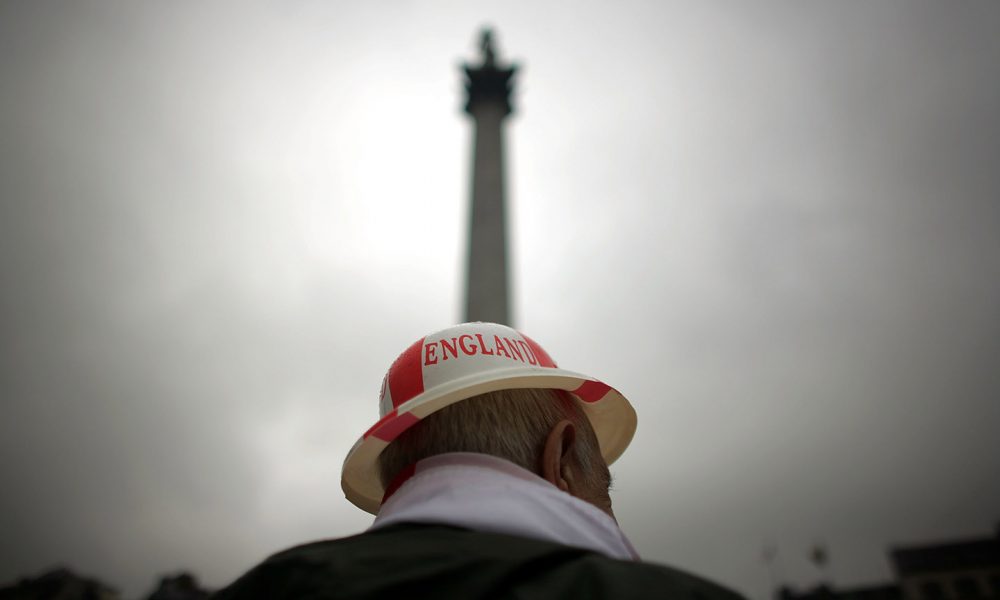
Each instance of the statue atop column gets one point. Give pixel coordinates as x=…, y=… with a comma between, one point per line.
x=488, y=81
x=486, y=45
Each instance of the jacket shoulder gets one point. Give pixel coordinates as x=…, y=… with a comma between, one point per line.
x=443, y=561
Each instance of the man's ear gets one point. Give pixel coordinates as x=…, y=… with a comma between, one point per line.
x=557, y=456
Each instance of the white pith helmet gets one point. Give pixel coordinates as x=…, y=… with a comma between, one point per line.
x=461, y=362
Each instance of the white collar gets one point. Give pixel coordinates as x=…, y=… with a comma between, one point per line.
x=486, y=493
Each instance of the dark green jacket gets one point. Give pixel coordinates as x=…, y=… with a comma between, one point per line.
x=437, y=561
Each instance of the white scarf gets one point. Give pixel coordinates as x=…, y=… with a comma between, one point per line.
x=486, y=493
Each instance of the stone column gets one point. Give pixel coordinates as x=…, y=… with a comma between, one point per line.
x=489, y=89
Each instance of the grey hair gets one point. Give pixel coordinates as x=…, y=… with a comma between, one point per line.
x=511, y=424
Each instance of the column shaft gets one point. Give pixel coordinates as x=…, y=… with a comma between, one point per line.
x=487, y=291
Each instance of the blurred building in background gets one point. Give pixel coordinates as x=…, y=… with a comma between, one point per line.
x=961, y=570
x=955, y=570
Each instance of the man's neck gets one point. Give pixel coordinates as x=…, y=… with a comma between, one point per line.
x=487, y=493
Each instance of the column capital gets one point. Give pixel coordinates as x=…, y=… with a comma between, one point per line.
x=488, y=83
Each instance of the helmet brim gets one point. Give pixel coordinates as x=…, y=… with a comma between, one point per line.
x=609, y=412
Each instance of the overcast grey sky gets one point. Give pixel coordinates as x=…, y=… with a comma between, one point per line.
x=773, y=226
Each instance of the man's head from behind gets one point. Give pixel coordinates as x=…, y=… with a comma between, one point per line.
x=542, y=430
x=544, y=418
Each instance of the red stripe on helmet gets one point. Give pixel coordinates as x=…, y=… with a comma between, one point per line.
x=389, y=429
x=543, y=357
x=388, y=415
x=592, y=391
x=406, y=376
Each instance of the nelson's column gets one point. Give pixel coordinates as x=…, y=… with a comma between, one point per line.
x=489, y=88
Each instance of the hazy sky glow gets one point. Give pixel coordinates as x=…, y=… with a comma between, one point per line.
x=773, y=227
